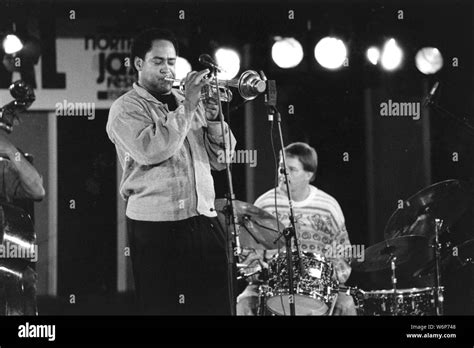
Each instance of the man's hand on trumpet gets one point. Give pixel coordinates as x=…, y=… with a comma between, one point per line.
x=212, y=109
x=193, y=84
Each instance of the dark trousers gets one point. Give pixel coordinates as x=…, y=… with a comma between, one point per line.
x=180, y=267
x=17, y=292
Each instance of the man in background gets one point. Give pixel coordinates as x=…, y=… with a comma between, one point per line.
x=320, y=223
x=19, y=180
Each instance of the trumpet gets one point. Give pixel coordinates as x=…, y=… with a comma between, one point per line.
x=249, y=86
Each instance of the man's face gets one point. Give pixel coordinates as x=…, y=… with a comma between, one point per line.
x=298, y=177
x=159, y=63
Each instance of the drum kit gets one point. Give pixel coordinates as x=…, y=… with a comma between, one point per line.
x=418, y=243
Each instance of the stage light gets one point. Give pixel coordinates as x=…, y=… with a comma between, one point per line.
x=287, y=52
x=392, y=55
x=330, y=53
x=429, y=60
x=182, y=68
x=12, y=44
x=229, y=60
x=373, y=55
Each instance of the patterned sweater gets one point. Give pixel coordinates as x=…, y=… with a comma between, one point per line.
x=320, y=225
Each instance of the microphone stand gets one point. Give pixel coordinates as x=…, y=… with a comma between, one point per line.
x=233, y=241
x=393, y=267
x=437, y=247
x=290, y=232
x=463, y=122
x=438, y=222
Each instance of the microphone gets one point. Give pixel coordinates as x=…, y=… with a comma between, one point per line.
x=271, y=95
x=207, y=60
x=431, y=95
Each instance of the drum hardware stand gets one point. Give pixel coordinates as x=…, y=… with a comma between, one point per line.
x=430, y=102
x=261, y=304
x=393, y=266
x=437, y=246
x=393, y=260
x=289, y=232
x=290, y=200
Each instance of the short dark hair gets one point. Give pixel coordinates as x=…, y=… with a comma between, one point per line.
x=143, y=41
x=306, y=154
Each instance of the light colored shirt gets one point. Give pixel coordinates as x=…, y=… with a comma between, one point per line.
x=320, y=225
x=12, y=187
x=166, y=156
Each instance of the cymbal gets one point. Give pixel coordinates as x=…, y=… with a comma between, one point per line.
x=456, y=257
x=405, y=249
x=258, y=228
x=446, y=200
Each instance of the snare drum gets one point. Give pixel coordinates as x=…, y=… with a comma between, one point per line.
x=414, y=302
x=315, y=290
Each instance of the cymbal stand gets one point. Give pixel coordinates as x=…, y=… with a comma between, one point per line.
x=393, y=266
x=437, y=247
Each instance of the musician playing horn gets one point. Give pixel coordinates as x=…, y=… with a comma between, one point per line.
x=167, y=143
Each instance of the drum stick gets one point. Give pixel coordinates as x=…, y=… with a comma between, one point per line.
x=333, y=304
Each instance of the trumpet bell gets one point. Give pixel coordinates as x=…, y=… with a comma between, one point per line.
x=250, y=85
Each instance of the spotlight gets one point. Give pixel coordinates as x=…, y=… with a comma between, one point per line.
x=287, y=52
x=182, y=68
x=29, y=54
x=12, y=44
x=229, y=60
x=392, y=55
x=330, y=52
x=373, y=55
x=429, y=60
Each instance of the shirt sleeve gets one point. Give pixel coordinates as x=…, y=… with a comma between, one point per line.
x=12, y=186
x=342, y=254
x=214, y=142
x=146, y=141
x=259, y=202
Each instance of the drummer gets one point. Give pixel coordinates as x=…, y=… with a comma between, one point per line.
x=319, y=224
